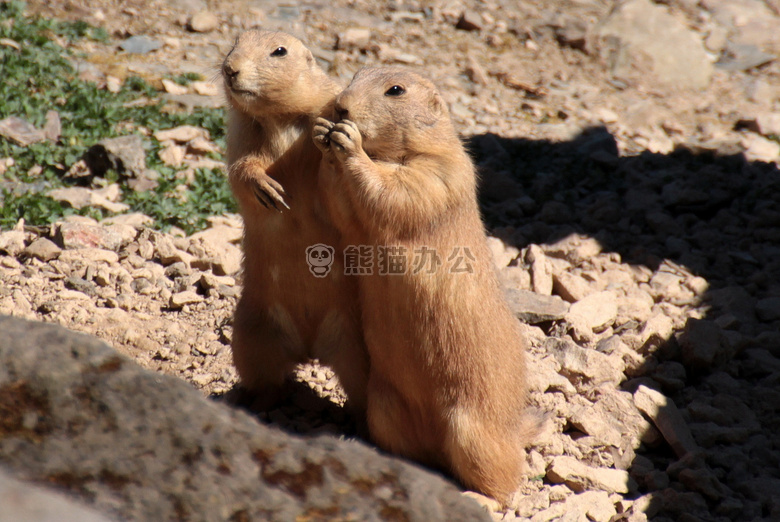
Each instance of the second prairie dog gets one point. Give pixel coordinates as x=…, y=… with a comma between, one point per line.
x=285, y=314
x=447, y=384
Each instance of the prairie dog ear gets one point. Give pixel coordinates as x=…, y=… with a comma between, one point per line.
x=309, y=57
x=437, y=104
x=435, y=109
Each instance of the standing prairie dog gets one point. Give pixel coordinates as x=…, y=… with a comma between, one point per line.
x=447, y=384
x=287, y=313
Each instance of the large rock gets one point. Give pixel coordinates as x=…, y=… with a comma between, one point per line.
x=137, y=445
x=640, y=39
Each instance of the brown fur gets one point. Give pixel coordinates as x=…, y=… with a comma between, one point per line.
x=447, y=384
x=285, y=314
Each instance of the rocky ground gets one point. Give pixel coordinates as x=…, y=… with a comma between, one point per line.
x=629, y=159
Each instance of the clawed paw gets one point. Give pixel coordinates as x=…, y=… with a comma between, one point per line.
x=345, y=139
x=269, y=193
x=321, y=134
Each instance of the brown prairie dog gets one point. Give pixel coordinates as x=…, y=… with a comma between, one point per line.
x=447, y=384
x=286, y=313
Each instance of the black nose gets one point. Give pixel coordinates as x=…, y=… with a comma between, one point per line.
x=229, y=72
x=341, y=111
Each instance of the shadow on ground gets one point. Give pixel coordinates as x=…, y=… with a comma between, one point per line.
x=716, y=216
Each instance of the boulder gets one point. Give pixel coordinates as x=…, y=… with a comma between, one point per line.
x=640, y=38
x=138, y=445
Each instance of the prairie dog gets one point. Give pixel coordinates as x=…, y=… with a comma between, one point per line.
x=287, y=313
x=447, y=383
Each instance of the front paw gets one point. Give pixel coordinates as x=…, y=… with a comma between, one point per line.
x=321, y=134
x=345, y=139
x=269, y=193
x=250, y=172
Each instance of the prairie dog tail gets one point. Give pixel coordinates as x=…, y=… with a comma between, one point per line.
x=488, y=456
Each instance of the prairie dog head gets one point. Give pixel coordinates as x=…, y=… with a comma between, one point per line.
x=396, y=111
x=272, y=73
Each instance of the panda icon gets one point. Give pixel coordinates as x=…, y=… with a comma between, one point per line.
x=320, y=258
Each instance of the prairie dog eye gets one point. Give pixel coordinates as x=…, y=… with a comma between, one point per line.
x=395, y=90
x=279, y=51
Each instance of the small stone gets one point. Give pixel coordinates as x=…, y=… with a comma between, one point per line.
x=575, y=248
x=546, y=377
x=72, y=295
x=596, y=505
x=667, y=418
x=179, y=299
x=475, y=71
x=43, y=249
x=758, y=148
x=698, y=285
x=570, y=287
x=203, y=22
x=767, y=124
x=581, y=477
x=703, y=344
x=81, y=285
x=488, y=503
x=5, y=164
x=113, y=84
x=649, y=504
x=205, y=88
x=656, y=331
x=12, y=242
x=541, y=270
x=354, y=38
x=209, y=281
x=598, y=309
x=172, y=155
x=583, y=365
x=80, y=197
x=201, y=146
x=741, y=57
x=80, y=235
x=636, y=305
x=52, y=128
x=172, y=87
x=218, y=234
x=533, y=308
x=124, y=154
x=598, y=424
x=181, y=134
x=132, y=219
x=528, y=505
x=140, y=44
x=20, y=131
x=469, y=21
x=502, y=254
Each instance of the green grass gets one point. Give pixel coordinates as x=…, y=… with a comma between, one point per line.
x=39, y=78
